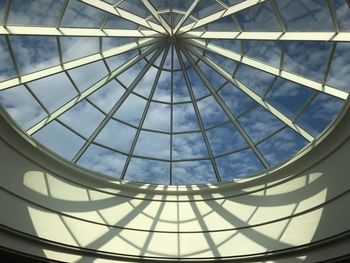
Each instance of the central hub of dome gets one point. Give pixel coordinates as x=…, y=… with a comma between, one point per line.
x=172, y=39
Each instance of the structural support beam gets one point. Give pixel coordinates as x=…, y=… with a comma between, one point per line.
x=224, y=107
x=118, y=103
x=253, y=95
x=77, y=32
x=158, y=17
x=54, y=115
x=199, y=117
x=270, y=69
x=287, y=36
x=220, y=14
x=101, y=5
x=75, y=63
x=186, y=15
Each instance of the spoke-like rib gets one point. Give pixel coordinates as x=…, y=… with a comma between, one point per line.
x=254, y=96
x=101, y=5
x=54, y=115
x=158, y=17
x=76, y=32
x=287, y=36
x=186, y=15
x=227, y=111
x=118, y=104
x=75, y=63
x=144, y=114
x=270, y=69
x=220, y=14
x=198, y=116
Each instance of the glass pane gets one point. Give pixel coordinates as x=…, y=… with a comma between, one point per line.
x=131, y=110
x=128, y=76
x=116, y=61
x=107, y=96
x=288, y=96
x=214, y=78
x=225, y=63
x=22, y=107
x=87, y=75
x=78, y=47
x=163, y=91
x=53, y=91
x=255, y=79
x=223, y=24
x=158, y=117
x=104, y=161
x=225, y=139
x=59, y=139
x=117, y=136
x=184, y=118
x=145, y=85
x=7, y=70
x=305, y=15
x=342, y=12
x=189, y=146
x=180, y=91
x=258, y=18
x=34, y=53
x=147, y=147
x=282, y=146
x=117, y=22
x=339, y=74
x=320, y=113
x=3, y=5
x=259, y=123
x=211, y=112
x=150, y=171
x=34, y=12
x=83, y=118
x=193, y=172
x=135, y=6
x=235, y=99
x=230, y=44
x=266, y=51
x=205, y=8
x=112, y=42
x=197, y=86
x=307, y=58
x=238, y=165
x=79, y=14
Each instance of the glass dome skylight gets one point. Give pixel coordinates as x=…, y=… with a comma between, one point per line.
x=174, y=91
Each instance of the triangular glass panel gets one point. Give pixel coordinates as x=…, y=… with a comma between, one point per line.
x=78, y=14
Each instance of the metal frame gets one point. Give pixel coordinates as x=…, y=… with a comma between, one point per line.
x=185, y=42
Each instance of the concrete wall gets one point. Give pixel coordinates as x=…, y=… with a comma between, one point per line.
x=297, y=213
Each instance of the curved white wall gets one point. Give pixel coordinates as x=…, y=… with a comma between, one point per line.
x=51, y=209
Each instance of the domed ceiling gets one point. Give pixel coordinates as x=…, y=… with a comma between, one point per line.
x=173, y=91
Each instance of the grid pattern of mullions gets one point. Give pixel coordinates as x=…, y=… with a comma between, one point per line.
x=145, y=42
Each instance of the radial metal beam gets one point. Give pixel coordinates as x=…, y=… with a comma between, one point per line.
x=101, y=5
x=75, y=63
x=220, y=14
x=186, y=15
x=287, y=36
x=198, y=116
x=76, y=32
x=144, y=114
x=158, y=17
x=118, y=104
x=270, y=69
x=224, y=107
x=54, y=115
x=253, y=95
